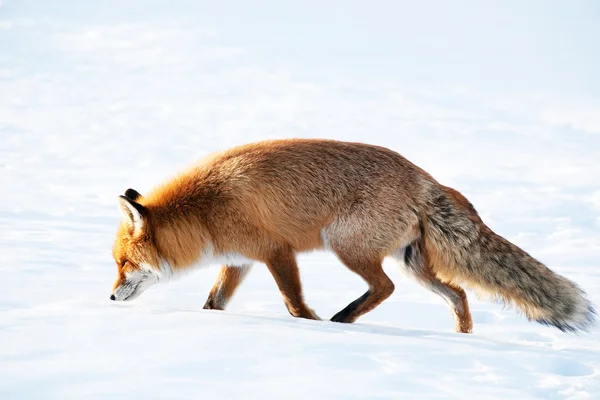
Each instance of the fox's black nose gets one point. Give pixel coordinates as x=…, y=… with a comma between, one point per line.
x=112, y=296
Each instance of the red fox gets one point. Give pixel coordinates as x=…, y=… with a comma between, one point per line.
x=268, y=201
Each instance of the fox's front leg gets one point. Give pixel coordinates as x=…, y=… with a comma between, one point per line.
x=228, y=280
x=283, y=267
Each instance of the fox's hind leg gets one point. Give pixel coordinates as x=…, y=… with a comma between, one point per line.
x=418, y=266
x=380, y=288
x=361, y=239
x=228, y=280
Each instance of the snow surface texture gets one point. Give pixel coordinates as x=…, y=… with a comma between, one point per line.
x=502, y=103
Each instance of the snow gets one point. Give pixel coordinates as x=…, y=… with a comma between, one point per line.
x=502, y=104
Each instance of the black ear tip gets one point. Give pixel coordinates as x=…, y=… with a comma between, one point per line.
x=132, y=194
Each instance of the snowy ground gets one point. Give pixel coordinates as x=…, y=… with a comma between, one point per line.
x=502, y=103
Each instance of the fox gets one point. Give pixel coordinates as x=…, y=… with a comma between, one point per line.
x=268, y=201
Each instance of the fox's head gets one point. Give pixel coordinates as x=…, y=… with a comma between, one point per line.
x=138, y=262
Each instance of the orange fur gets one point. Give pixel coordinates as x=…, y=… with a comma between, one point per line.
x=271, y=200
x=227, y=282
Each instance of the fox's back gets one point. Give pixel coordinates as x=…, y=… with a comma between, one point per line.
x=294, y=188
x=315, y=165
x=313, y=174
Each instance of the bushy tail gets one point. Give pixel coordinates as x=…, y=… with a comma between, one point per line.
x=463, y=250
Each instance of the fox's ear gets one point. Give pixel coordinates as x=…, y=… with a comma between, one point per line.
x=132, y=212
x=132, y=194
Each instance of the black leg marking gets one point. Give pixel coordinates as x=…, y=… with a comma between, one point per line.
x=408, y=253
x=343, y=315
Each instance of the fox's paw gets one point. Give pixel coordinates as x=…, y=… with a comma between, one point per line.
x=212, y=304
x=303, y=312
x=314, y=315
x=343, y=316
x=463, y=326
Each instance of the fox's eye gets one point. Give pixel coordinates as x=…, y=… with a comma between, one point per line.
x=123, y=263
